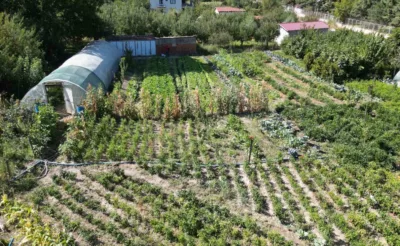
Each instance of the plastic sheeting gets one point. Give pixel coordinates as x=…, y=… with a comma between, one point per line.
x=99, y=57
x=94, y=66
x=397, y=77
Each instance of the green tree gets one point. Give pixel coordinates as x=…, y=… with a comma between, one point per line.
x=185, y=25
x=59, y=22
x=221, y=38
x=42, y=131
x=20, y=56
x=394, y=42
x=343, y=9
x=266, y=31
x=247, y=28
x=125, y=18
x=241, y=27
x=162, y=24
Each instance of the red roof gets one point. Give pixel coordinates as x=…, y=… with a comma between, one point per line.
x=229, y=9
x=296, y=26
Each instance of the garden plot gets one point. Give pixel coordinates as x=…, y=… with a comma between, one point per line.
x=192, y=182
x=188, y=87
x=309, y=200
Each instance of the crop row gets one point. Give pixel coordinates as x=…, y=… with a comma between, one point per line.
x=193, y=219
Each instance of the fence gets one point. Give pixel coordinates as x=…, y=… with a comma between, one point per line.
x=349, y=23
x=369, y=26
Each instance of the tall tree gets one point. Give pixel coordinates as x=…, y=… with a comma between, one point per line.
x=125, y=17
x=58, y=22
x=20, y=56
x=266, y=31
x=242, y=27
x=343, y=9
x=186, y=23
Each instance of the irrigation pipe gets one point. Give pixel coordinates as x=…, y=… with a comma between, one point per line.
x=51, y=163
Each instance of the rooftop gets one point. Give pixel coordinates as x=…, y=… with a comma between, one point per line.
x=130, y=37
x=229, y=9
x=296, y=26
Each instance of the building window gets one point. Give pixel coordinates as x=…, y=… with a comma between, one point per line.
x=161, y=2
x=173, y=1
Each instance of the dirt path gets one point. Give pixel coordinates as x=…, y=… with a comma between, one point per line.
x=98, y=192
x=252, y=126
x=303, y=84
x=174, y=187
x=104, y=239
x=237, y=195
x=303, y=211
x=246, y=181
x=264, y=192
x=299, y=92
x=339, y=235
x=46, y=219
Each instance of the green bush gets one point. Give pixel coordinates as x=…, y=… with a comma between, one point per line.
x=341, y=55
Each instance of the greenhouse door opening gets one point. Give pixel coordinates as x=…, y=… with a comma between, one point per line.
x=56, y=97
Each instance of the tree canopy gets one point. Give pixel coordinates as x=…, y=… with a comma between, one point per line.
x=342, y=55
x=20, y=56
x=58, y=22
x=380, y=11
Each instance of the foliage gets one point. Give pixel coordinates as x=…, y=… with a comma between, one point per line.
x=387, y=92
x=30, y=226
x=343, y=9
x=341, y=55
x=220, y=38
x=58, y=22
x=133, y=17
x=358, y=138
x=15, y=148
x=43, y=129
x=21, y=57
x=266, y=31
x=383, y=12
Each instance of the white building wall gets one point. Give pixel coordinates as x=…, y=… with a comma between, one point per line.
x=166, y=4
x=138, y=47
x=282, y=34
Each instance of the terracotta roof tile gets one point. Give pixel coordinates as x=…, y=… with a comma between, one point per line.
x=229, y=9
x=296, y=26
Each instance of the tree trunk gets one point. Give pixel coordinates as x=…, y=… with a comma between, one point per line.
x=8, y=169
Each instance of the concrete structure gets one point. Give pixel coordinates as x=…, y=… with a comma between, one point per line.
x=95, y=67
x=293, y=28
x=176, y=45
x=228, y=10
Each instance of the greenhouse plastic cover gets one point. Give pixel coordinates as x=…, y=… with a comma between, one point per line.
x=99, y=57
x=397, y=77
x=77, y=75
x=95, y=65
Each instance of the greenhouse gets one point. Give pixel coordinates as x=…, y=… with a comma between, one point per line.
x=397, y=78
x=66, y=87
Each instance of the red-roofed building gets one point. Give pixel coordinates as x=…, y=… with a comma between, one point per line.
x=228, y=10
x=293, y=28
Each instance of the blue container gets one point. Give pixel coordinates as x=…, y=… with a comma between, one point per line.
x=80, y=109
x=37, y=107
